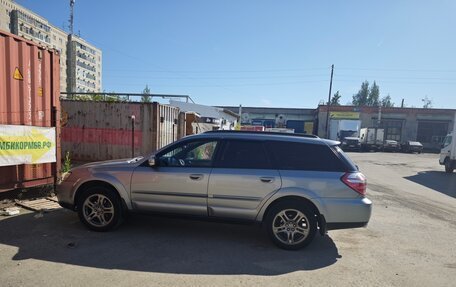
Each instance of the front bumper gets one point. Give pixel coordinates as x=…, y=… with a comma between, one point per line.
x=67, y=205
x=350, y=147
x=64, y=192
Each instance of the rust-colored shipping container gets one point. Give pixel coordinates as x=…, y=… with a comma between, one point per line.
x=29, y=96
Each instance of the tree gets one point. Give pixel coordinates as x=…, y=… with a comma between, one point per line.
x=374, y=94
x=386, y=102
x=427, y=103
x=335, y=100
x=146, y=98
x=360, y=98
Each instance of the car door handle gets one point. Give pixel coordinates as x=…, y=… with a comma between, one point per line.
x=196, y=176
x=266, y=179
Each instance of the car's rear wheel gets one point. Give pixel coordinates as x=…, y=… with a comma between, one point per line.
x=291, y=225
x=99, y=208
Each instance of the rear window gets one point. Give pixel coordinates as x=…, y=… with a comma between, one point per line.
x=303, y=156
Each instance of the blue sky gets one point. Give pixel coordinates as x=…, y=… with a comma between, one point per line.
x=270, y=53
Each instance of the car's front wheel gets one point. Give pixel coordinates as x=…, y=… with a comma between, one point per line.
x=291, y=225
x=99, y=208
x=448, y=166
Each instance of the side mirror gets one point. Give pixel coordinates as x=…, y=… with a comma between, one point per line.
x=152, y=161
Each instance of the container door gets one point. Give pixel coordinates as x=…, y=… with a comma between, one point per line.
x=381, y=135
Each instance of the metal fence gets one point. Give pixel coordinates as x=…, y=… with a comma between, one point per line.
x=121, y=97
x=103, y=130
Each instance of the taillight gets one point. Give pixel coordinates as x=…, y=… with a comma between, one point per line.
x=356, y=181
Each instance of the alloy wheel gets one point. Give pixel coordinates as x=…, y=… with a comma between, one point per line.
x=98, y=210
x=290, y=226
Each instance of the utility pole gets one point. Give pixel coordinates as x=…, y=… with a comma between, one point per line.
x=329, y=101
x=71, y=16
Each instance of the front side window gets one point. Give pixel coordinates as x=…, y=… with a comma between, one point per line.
x=243, y=154
x=193, y=154
x=447, y=141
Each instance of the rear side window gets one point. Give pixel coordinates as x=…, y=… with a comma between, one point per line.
x=243, y=154
x=350, y=165
x=303, y=156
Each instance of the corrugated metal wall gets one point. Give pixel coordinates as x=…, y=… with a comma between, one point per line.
x=104, y=130
x=31, y=101
x=169, y=119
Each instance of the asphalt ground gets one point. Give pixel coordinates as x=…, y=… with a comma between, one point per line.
x=410, y=241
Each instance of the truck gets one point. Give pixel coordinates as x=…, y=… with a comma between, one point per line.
x=448, y=151
x=371, y=138
x=340, y=129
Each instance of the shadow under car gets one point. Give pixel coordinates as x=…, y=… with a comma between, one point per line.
x=157, y=244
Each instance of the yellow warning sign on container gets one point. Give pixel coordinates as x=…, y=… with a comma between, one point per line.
x=17, y=74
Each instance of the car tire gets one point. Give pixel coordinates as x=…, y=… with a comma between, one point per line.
x=448, y=167
x=291, y=225
x=100, y=208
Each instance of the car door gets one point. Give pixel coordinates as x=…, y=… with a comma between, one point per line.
x=446, y=148
x=241, y=179
x=178, y=182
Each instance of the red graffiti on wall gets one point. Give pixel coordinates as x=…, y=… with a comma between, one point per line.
x=100, y=136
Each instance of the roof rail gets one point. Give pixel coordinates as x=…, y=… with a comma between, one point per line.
x=266, y=133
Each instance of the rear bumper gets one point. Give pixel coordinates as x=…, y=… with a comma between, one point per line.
x=390, y=148
x=346, y=213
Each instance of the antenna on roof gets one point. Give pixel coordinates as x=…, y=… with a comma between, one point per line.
x=71, y=16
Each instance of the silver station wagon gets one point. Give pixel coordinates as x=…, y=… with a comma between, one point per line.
x=294, y=185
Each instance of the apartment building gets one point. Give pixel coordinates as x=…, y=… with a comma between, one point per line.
x=80, y=62
x=84, y=66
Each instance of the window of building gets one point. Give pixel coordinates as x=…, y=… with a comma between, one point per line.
x=431, y=131
x=393, y=129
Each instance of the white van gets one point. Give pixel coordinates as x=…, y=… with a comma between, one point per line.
x=448, y=152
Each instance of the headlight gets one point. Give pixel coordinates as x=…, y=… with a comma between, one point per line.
x=64, y=176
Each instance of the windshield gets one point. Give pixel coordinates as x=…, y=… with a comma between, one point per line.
x=447, y=140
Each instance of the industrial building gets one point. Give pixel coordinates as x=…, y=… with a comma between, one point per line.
x=428, y=126
x=80, y=62
x=298, y=120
